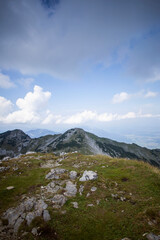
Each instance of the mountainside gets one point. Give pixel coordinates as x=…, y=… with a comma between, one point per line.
x=36, y=133
x=16, y=142
x=82, y=197
x=13, y=143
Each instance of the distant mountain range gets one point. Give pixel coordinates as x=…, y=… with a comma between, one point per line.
x=17, y=142
x=36, y=133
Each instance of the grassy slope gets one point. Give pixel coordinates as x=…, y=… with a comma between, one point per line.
x=112, y=219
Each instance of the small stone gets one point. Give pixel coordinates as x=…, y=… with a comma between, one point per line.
x=88, y=194
x=151, y=236
x=115, y=196
x=103, y=166
x=75, y=204
x=58, y=200
x=81, y=189
x=46, y=216
x=126, y=238
x=10, y=188
x=73, y=175
x=90, y=205
x=63, y=212
x=98, y=202
x=34, y=232
x=93, y=189
x=122, y=199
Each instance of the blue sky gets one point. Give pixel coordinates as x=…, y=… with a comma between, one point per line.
x=93, y=64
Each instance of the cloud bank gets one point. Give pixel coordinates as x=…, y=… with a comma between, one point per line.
x=79, y=35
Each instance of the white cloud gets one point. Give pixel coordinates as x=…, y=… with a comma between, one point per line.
x=81, y=117
x=123, y=96
x=5, y=81
x=32, y=108
x=120, y=97
x=5, y=107
x=87, y=116
x=150, y=94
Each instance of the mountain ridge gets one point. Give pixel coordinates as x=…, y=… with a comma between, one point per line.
x=17, y=142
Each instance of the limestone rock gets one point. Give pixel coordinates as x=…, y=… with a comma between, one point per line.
x=93, y=189
x=55, y=173
x=73, y=175
x=46, y=216
x=10, y=188
x=58, y=200
x=81, y=189
x=88, y=175
x=18, y=224
x=34, y=231
x=75, y=204
x=151, y=236
x=71, y=189
x=29, y=218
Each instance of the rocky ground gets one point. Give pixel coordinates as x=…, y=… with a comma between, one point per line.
x=78, y=197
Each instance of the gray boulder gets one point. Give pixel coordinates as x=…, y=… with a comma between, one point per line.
x=71, y=189
x=88, y=175
x=46, y=216
x=58, y=200
x=73, y=175
x=55, y=173
x=152, y=236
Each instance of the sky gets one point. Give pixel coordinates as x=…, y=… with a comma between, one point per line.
x=91, y=64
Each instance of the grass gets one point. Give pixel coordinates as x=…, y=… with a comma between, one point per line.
x=137, y=183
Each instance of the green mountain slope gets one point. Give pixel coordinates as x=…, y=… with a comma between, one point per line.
x=122, y=201
x=76, y=140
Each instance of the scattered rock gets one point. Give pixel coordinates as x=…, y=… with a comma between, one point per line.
x=81, y=189
x=115, y=196
x=52, y=187
x=3, y=169
x=88, y=175
x=58, y=200
x=88, y=194
x=15, y=168
x=55, y=173
x=75, y=204
x=98, y=202
x=10, y=188
x=90, y=205
x=71, y=189
x=73, y=175
x=5, y=158
x=63, y=212
x=34, y=232
x=46, y=216
x=93, y=189
x=122, y=199
x=126, y=238
x=151, y=236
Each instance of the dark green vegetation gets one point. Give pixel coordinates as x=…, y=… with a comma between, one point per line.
x=125, y=204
